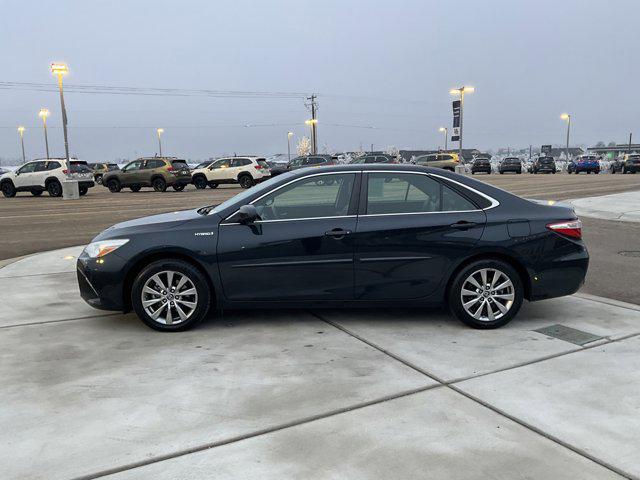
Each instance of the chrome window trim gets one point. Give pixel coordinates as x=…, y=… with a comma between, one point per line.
x=494, y=202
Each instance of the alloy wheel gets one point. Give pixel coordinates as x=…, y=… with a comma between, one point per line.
x=487, y=294
x=169, y=297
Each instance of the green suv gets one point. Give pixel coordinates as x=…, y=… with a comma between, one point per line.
x=156, y=172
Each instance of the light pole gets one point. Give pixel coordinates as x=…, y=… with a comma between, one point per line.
x=567, y=117
x=43, y=114
x=160, y=131
x=312, y=123
x=21, y=132
x=289, y=135
x=60, y=70
x=461, y=91
x=446, y=133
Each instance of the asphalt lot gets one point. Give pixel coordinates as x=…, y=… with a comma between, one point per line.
x=32, y=224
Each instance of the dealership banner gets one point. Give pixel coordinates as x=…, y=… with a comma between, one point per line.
x=455, y=136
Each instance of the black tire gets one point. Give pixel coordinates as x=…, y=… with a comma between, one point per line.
x=501, y=173
x=114, y=185
x=98, y=179
x=8, y=189
x=192, y=273
x=135, y=188
x=54, y=188
x=36, y=193
x=455, y=300
x=178, y=187
x=246, y=181
x=200, y=181
x=613, y=170
x=83, y=191
x=213, y=184
x=159, y=184
x=519, y=172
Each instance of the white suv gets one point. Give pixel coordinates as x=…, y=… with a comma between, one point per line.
x=45, y=174
x=246, y=171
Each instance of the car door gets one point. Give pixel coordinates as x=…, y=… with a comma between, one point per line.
x=25, y=175
x=219, y=169
x=149, y=170
x=300, y=249
x=39, y=174
x=130, y=174
x=411, y=229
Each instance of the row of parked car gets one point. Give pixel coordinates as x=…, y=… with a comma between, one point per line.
x=161, y=173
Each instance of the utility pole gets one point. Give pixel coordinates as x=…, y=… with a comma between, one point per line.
x=314, y=121
x=567, y=117
x=629, y=149
x=289, y=135
x=21, y=132
x=43, y=114
x=530, y=151
x=446, y=135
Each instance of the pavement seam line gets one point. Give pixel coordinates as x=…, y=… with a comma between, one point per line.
x=487, y=405
x=36, y=274
x=31, y=324
x=256, y=433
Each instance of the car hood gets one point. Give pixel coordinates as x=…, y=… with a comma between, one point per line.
x=153, y=223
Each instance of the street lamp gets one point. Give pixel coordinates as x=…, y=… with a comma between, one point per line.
x=461, y=91
x=312, y=123
x=21, y=132
x=289, y=135
x=43, y=114
x=60, y=70
x=567, y=117
x=160, y=131
x=446, y=133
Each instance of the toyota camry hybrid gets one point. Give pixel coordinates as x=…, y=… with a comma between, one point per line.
x=350, y=235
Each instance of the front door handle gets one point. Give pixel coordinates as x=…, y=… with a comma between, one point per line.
x=463, y=225
x=337, y=233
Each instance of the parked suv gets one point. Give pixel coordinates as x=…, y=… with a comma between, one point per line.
x=45, y=174
x=544, y=165
x=156, y=172
x=245, y=171
x=510, y=164
x=628, y=164
x=311, y=161
x=99, y=169
x=377, y=158
x=584, y=163
x=480, y=165
x=447, y=161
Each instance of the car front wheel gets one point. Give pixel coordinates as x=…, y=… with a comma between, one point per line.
x=178, y=187
x=486, y=294
x=170, y=295
x=200, y=182
x=8, y=189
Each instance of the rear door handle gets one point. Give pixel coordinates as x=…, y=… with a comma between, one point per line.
x=463, y=225
x=337, y=233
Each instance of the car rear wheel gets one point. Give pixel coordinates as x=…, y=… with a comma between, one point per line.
x=114, y=185
x=486, y=294
x=83, y=191
x=36, y=193
x=213, y=184
x=159, y=185
x=99, y=179
x=245, y=181
x=8, y=189
x=170, y=295
x=54, y=188
x=178, y=187
x=135, y=188
x=200, y=182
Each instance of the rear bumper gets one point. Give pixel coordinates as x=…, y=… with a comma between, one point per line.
x=561, y=276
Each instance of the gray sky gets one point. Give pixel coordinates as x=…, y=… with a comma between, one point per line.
x=386, y=64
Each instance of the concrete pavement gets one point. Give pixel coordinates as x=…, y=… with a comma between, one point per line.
x=323, y=394
x=624, y=207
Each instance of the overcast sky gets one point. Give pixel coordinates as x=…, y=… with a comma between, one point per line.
x=383, y=64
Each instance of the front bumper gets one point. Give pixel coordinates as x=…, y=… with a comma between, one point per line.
x=100, y=281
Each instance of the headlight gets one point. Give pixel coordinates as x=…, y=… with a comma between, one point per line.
x=101, y=248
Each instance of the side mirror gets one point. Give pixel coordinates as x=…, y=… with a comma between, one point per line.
x=247, y=214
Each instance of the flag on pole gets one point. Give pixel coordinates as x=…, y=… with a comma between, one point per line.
x=455, y=135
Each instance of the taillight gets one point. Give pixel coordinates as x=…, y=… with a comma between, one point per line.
x=570, y=228
x=65, y=171
x=170, y=168
x=258, y=167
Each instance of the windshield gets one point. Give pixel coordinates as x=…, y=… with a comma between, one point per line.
x=260, y=188
x=297, y=161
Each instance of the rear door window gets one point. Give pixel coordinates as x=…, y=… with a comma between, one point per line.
x=40, y=166
x=151, y=164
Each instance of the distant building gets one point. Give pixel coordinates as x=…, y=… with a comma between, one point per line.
x=615, y=150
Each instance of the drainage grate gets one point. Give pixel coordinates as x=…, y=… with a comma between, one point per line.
x=568, y=334
x=630, y=253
